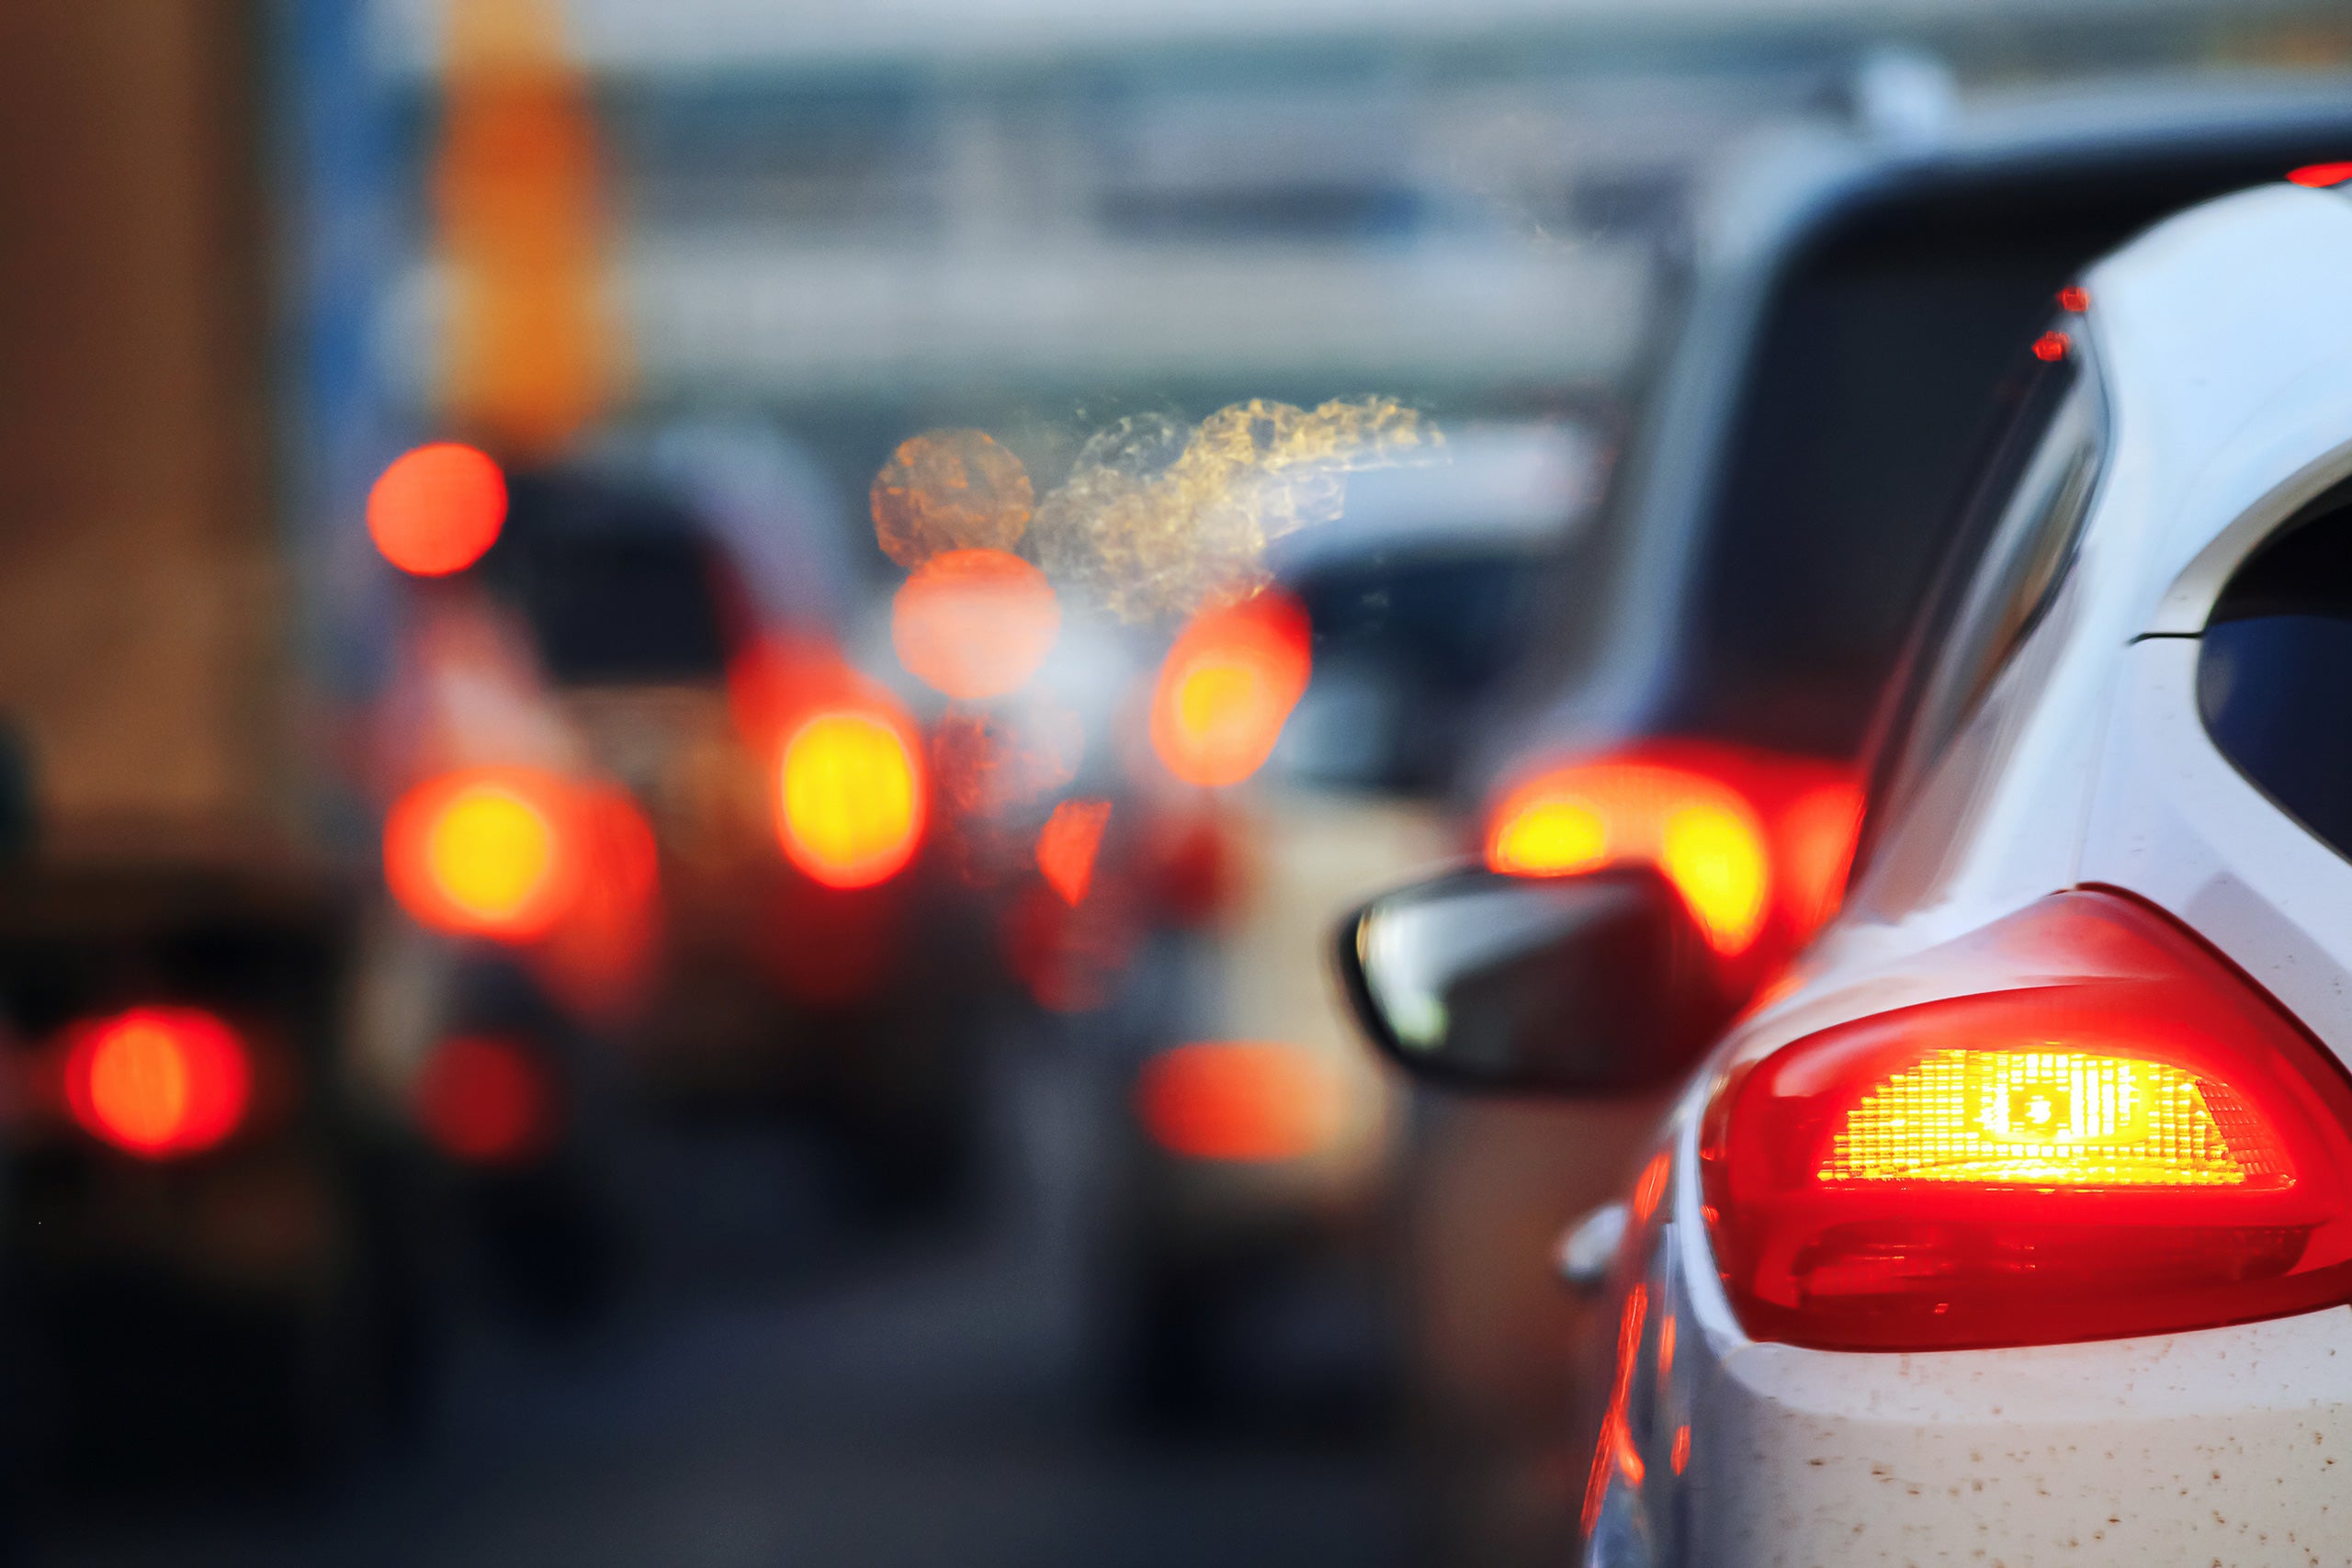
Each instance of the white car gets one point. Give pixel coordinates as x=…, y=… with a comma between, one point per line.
x=2014, y=1223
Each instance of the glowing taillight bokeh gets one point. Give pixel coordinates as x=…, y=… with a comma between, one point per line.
x=2074, y=299
x=485, y=1100
x=436, y=509
x=2320, y=175
x=2050, y=347
x=1067, y=844
x=1757, y=843
x=487, y=852
x=1227, y=687
x=1702, y=833
x=975, y=624
x=158, y=1081
x=1252, y=1101
x=852, y=797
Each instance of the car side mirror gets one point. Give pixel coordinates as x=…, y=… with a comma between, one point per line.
x=1594, y=983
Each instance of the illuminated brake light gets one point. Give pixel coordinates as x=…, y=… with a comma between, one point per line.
x=487, y=853
x=1755, y=842
x=1227, y=687
x=852, y=805
x=2051, y=1118
x=975, y=625
x=2111, y=1132
x=435, y=510
x=1067, y=844
x=1699, y=831
x=2320, y=175
x=1252, y=1101
x=158, y=1082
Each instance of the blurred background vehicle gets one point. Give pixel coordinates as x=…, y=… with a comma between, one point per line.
x=1027, y=386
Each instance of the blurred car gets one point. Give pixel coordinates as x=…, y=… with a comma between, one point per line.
x=2014, y=1213
x=214, y=1254
x=1859, y=300
x=1253, y=1242
x=671, y=856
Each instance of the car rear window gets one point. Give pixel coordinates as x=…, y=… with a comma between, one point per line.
x=2274, y=674
x=2004, y=560
x=618, y=588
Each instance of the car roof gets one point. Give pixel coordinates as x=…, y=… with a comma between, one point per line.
x=2224, y=338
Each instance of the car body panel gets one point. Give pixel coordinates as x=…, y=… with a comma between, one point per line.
x=2086, y=763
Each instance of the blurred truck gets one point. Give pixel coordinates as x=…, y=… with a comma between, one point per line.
x=208, y=1251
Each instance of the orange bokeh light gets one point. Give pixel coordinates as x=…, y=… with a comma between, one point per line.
x=1067, y=846
x=486, y=853
x=1227, y=687
x=158, y=1081
x=436, y=509
x=852, y=799
x=484, y=1100
x=975, y=624
x=1241, y=1100
x=1699, y=831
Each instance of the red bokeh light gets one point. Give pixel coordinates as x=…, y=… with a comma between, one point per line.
x=2074, y=299
x=2320, y=176
x=488, y=852
x=852, y=800
x=1227, y=687
x=1067, y=844
x=436, y=509
x=2050, y=347
x=975, y=624
x=158, y=1081
x=1757, y=843
x=1242, y=1101
x=485, y=1100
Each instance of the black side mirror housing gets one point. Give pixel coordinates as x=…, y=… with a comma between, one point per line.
x=1595, y=983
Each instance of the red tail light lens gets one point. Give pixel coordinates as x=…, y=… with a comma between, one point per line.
x=1228, y=687
x=852, y=802
x=158, y=1082
x=486, y=853
x=485, y=1100
x=2110, y=1133
x=1244, y=1100
x=1756, y=844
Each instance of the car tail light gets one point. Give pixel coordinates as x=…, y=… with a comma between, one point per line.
x=158, y=1082
x=853, y=805
x=1755, y=844
x=1227, y=687
x=485, y=1100
x=1239, y=1100
x=486, y=853
x=2110, y=1133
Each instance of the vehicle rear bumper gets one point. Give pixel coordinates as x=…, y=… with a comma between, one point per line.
x=2231, y=1445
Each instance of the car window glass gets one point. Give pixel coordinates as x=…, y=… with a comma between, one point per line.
x=2009, y=552
x=2274, y=671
